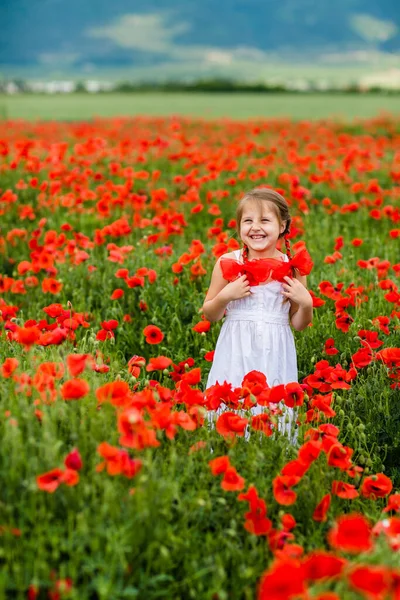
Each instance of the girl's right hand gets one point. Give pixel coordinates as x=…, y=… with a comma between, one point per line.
x=240, y=288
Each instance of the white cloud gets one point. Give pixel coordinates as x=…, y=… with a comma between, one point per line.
x=372, y=29
x=157, y=33
x=150, y=32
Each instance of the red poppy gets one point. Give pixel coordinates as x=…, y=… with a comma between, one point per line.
x=262, y=423
x=362, y=358
x=284, y=579
x=393, y=503
x=49, y=482
x=76, y=363
x=351, y=533
x=153, y=334
x=340, y=456
x=376, y=486
x=8, y=367
x=117, y=461
x=329, y=347
x=282, y=489
x=374, y=581
x=202, y=326
x=117, y=294
x=321, y=565
x=115, y=392
x=320, y=511
x=27, y=336
x=158, y=363
x=294, y=395
x=256, y=521
x=343, y=490
x=73, y=460
x=219, y=465
x=230, y=424
x=232, y=481
x=218, y=393
x=74, y=389
x=135, y=364
x=310, y=451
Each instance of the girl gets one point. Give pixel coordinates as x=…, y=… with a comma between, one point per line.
x=260, y=297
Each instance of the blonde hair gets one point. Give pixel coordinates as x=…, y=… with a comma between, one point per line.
x=279, y=205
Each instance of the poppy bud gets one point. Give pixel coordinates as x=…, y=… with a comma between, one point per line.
x=73, y=460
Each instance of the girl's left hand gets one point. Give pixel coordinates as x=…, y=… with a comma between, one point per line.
x=296, y=292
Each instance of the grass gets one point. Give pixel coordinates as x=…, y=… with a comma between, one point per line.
x=312, y=106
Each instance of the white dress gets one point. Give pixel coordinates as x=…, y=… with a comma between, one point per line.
x=256, y=335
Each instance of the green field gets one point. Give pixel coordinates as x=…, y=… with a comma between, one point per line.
x=311, y=106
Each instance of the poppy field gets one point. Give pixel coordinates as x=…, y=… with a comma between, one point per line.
x=114, y=485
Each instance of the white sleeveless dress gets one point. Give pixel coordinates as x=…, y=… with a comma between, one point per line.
x=256, y=335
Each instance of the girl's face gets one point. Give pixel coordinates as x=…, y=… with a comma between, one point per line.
x=260, y=228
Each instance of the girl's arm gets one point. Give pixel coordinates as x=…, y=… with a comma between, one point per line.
x=221, y=292
x=301, y=310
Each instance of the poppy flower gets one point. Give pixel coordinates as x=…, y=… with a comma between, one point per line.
x=8, y=367
x=282, y=489
x=284, y=579
x=362, y=358
x=117, y=294
x=117, y=461
x=135, y=364
x=49, y=482
x=73, y=460
x=221, y=393
x=320, y=511
x=219, y=465
x=376, y=486
x=202, y=326
x=159, y=363
x=329, y=347
x=153, y=334
x=74, y=389
x=232, y=481
x=256, y=521
x=393, y=503
x=343, y=490
x=115, y=392
x=76, y=363
x=374, y=581
x=351, y=533
x=262, y=423
x=230, y=424
x=321, y=565
x=294, y=395
x=27, y=336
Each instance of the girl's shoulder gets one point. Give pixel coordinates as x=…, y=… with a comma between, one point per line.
x=235, y=254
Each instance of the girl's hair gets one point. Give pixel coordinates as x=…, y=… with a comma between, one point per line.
x=278, y=204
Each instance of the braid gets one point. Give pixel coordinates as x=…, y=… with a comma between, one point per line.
x=245, y=253
x=287, y=245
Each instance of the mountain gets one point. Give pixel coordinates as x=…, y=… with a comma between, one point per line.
x=145, y=39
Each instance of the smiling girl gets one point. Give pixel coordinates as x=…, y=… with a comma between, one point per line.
x=262, y=292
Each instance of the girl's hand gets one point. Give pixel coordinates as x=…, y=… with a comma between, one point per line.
x=295, y=291
x=240, y=288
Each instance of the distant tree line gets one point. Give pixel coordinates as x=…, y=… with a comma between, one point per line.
x=226, y=85
x=300, y=86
